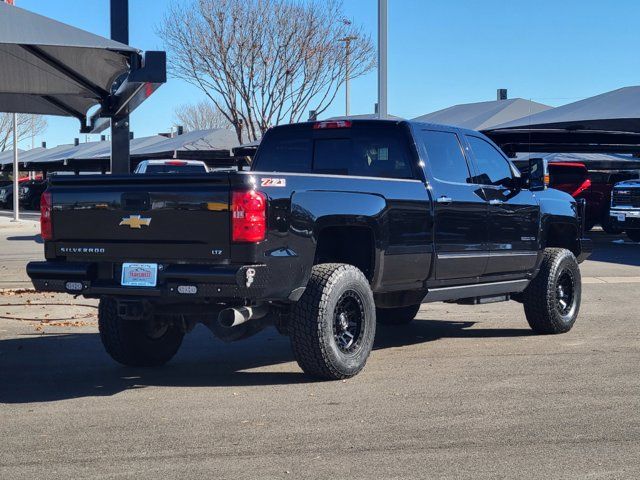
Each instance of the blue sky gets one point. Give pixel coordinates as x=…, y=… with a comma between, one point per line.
x=441, y=53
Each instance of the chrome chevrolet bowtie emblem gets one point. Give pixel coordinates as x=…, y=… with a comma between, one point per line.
x=135, y=221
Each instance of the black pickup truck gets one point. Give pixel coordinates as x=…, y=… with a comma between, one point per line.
x=337, y=224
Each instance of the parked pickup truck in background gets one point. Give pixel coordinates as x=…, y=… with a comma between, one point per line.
x=625, y=208
x=6, y=194
x=171, y=167
x=30, y=192
x=593, y=186
x=337, y=225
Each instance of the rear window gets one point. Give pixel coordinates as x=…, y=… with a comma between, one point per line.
x=175, y=169
x=362, y=150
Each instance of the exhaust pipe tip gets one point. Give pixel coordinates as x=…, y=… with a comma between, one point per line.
x=232, y=317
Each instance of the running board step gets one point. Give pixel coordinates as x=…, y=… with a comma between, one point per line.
x=483, y=300
x=479, y=290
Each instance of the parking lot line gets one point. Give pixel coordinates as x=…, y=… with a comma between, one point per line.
x=610, y=280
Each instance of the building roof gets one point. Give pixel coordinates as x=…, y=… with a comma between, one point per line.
x=484, y=115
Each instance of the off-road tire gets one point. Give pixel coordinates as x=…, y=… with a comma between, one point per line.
x=312, y=326
x=128, y=341
x=634, y=235
x=542, y=297
x=398, y=315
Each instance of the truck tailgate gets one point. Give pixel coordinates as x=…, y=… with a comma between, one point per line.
x=141, y=217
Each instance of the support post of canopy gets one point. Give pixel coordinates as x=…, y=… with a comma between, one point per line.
x=120, y=126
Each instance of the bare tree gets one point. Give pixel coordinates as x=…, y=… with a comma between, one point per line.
x=203, y=115
x=28, y=125
x=264, y=62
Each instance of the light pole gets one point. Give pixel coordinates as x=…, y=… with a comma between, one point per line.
x=16, y=174
x=347, y=58
x=382, y=58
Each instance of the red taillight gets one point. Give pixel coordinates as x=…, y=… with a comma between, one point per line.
x=46, y=230
x=332, y=124
x=248, y=216
x=175, y=163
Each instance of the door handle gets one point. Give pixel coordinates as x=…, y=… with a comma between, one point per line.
x=444, y=200
x=495, y=202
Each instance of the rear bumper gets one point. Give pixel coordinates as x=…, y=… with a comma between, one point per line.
x=174, y=281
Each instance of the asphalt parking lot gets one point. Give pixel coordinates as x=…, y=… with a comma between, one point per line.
x=463, y=392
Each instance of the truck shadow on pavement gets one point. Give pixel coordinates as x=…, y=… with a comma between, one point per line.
x=615, y=249
x=50, y=367
x=27, y=238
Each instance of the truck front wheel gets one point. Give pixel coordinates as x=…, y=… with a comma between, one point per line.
x=333, y=325
x=552, y=299
x=397, y=316
x=143, y=343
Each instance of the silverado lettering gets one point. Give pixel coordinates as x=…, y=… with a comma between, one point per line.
x=81, y=250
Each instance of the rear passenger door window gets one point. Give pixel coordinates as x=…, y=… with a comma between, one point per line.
x=444, y=156
x=381, y=153
x=491, y=166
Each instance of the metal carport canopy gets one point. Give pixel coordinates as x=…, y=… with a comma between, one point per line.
x=609, y=123
x=217, y=142
x=51, y=68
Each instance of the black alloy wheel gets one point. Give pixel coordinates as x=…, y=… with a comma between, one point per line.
x=347, y=324
x=565, y=288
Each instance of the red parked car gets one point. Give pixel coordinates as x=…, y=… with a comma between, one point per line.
x=595, y=187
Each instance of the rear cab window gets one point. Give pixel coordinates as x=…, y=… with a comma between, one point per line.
x=368, y=149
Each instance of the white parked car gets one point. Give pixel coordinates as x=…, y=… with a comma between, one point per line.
x=171, y=166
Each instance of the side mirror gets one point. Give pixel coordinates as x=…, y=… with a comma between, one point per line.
x=538, y=175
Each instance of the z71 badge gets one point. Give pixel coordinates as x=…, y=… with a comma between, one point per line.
x=273, y=182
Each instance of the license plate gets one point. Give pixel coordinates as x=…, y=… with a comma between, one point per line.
x=621, y=217
x=139, y=274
